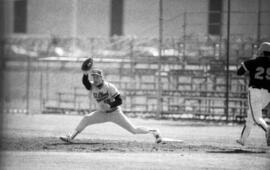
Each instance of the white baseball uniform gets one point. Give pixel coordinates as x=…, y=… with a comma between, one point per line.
x=104, y=112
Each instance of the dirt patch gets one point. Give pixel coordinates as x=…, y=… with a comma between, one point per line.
x=100, y=145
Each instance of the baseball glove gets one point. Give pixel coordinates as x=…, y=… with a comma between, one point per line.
x=87, y=64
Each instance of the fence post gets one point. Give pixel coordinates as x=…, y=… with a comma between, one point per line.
x=159, y=102
x=27, y=85
x=259, y=21
x=228, y=61
x=41, y=86
x=2, y=23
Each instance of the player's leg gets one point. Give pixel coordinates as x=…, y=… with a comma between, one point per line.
x=258, y=100
x=120, y=119
x=246, y=129
x=248, y=124
x=89, y=119
x=267, y=100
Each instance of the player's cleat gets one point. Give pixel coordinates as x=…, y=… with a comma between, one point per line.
x=156, y=135
x=268, y=136
x=66, y=138
x=241, y=142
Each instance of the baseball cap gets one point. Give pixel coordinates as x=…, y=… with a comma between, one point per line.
x=97, y=72
x=264, y=47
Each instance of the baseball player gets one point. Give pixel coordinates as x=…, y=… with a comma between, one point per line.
x=258, y=70
x=108, y=101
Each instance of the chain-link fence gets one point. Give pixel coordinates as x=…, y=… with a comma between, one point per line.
x=43, y=75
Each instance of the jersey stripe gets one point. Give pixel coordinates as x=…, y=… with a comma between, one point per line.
x=244, y=66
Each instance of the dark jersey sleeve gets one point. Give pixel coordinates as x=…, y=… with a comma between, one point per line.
x=249, y=65
x=87, y=84
x=117, y=101
x=241, y=71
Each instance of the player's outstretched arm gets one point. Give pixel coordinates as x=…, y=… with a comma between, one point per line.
x=87, y=84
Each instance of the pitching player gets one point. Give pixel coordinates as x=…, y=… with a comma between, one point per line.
x=108, y=100
x=258, y=70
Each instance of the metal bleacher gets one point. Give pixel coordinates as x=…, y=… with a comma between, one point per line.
x=186, y=93
x=68, y=103
x=193, y=83
x=192, y=88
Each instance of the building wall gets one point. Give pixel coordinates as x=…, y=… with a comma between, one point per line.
x=244, y=18
x=141, y=18
x=60, y=18
x=8, y=9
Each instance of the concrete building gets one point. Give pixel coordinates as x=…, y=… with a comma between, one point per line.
x=140, y=18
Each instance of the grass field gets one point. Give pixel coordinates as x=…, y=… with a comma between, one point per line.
x=31, y=142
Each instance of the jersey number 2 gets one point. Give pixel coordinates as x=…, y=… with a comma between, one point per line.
x=260, y=72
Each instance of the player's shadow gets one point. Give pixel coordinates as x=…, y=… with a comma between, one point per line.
x=238, y=150
x=58, y=142
x=74, y=143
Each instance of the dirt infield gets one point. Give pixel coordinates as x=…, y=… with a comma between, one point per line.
x=38, y=135
x=100, y=145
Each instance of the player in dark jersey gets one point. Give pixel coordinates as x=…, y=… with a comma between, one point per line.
x=258, y=70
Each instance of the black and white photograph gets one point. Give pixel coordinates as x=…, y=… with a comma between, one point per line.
x=134, y=84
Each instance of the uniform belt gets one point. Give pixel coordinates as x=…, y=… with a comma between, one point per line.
x=260, y=88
